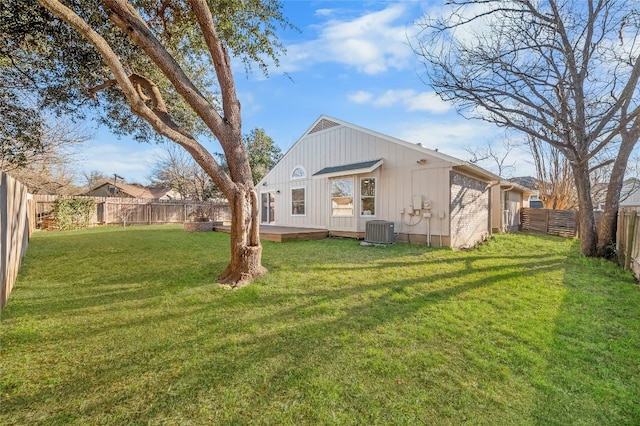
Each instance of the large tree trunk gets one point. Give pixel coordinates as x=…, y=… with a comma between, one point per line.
x=585, y=215
x=246, y=250
x=609, y=219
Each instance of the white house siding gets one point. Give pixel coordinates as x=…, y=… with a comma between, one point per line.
x=431, y=184
x=506, y=202
x=398, y=179
x=513, y=201
x=407, y=170
x=469, y=210
x=630, y=194
x=496, y=208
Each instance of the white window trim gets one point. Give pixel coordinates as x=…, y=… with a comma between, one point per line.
x=375, y=196
x=272, y=191
x=304, y=171
x=305, y=201
x=353, y=196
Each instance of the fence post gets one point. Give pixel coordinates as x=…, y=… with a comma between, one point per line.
x=4, y=239
x=629, y=242
x=14, y=232
x=633, y=257
x=619, y=234
x=622, y=235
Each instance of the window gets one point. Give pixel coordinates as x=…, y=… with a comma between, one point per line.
x=268, y=207
x=368, y=196
x=342, y=197
x=297, y=202
x=298, y=173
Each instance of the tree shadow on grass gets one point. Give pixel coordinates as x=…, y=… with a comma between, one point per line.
x=186, y=359
x=591, y=373
x=261, y=354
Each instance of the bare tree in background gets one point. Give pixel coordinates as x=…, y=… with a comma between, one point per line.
x=495, y=158
x=49, y=166
x=94, y=178
x=564, y=73
x=554, y=180
x=159, y=69
x=177, y=170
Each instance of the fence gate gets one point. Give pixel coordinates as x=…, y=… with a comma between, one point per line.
x=553, y=222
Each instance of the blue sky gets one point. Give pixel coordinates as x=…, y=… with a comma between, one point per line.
x=351, y=60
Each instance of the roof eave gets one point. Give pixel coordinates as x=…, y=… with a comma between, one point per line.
x=479, y=172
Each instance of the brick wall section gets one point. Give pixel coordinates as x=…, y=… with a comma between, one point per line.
x=469, y=211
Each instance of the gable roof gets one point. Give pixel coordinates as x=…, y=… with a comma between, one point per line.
x=325, y=122
x=135, y=191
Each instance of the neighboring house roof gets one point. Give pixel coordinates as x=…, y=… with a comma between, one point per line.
x=630, y=193
x=135, y=191
x=507, y=185
x=326, y=122
x=525, y=181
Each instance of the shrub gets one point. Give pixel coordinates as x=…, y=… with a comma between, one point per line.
x=73, y=213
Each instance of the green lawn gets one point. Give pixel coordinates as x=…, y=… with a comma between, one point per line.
x=113, y=326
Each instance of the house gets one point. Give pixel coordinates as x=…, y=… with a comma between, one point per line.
x=506, y=201
x=339, y=176
x=630, y=193
x=124, y=190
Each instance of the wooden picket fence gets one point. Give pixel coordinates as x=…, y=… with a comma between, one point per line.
x=553, y=222
x=16, y=209
x=137, y=211
x=628, y=239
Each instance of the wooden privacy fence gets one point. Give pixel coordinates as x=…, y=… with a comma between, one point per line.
x=16, y=207
x=139, y=211
x=628, y=240
x=554, y=222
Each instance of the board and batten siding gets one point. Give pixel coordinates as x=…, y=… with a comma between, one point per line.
x=398, y=180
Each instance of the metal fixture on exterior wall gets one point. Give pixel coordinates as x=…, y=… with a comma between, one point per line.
x=114, y=190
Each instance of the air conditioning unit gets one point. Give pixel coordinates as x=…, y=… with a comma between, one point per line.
x=379, y=232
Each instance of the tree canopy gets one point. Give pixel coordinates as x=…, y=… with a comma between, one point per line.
x=155, y=67
x=263, y=153
x=42, y=55
x=561, y=72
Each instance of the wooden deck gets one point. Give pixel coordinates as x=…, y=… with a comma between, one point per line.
x=282, y=234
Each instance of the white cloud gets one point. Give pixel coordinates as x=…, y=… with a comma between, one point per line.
x=134, y=162
x=427, y=101
x=408, y=98
x=449, y=135
x=249, y=103
x=360, y=97
x=392, y=97
x=324, y=12
x=371, y=43
x=452, y=137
